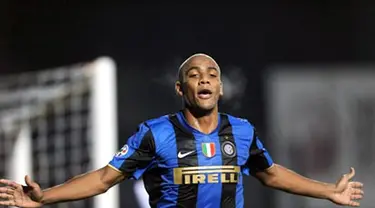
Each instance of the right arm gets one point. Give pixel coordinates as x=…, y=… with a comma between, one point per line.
x=83, y=186
x=129, y=162
x=132, y=160
x=79, y=187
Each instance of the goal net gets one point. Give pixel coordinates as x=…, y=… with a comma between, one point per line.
x=59, y=123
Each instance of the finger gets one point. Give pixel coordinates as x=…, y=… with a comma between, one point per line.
x=9, y=183
x=354, y=204
x=356, y=184
x=6, y=196
x=358, y=191
x=8, y=203
x=356, y=196
x=7, y=190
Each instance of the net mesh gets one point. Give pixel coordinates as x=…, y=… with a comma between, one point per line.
x=55, y=105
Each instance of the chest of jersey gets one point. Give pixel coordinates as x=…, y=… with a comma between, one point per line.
x=203, y=158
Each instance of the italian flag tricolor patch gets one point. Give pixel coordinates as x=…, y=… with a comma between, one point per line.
x=208, y=149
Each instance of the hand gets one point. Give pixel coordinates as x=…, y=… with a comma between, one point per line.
x=14, y=194
x=346, y=191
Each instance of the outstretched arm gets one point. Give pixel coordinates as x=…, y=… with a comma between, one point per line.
x=130, y=162
x=344, y=192
x=80, y=187
x=83, y=186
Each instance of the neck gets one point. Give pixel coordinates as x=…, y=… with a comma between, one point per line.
x=204, y=121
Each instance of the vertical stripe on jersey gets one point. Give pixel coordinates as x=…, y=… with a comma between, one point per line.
x=158, y=178
x=228, y=192
x=242, y=131
x=153, y=181
x=136, y=163
x=185, y=141
x=208, y=146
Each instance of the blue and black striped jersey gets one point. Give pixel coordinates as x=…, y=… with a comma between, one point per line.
x=182, y=167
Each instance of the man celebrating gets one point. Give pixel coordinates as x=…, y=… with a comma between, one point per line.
x=193, y=158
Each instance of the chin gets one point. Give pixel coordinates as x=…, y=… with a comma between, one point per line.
x=206, y=107
x=202, y=110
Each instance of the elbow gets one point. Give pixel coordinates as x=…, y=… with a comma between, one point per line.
x=103, y=188
x=271, y=176
x=270, y=181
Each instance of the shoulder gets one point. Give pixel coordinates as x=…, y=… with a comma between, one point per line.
x=239, y=125
x=238, y=121
x=160, y=129
x=157, y=122
x=157, y=126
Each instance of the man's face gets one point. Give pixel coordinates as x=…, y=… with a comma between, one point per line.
x=200, y=83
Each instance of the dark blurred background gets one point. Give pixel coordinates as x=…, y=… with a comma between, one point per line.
x=148, y=41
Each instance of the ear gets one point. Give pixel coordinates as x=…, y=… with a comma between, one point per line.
x=221, y=89
x=178, y=88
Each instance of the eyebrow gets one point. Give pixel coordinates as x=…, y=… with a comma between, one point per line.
x=195, y=67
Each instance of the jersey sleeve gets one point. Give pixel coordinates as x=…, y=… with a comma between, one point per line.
x=259, y=158
x=136, y=155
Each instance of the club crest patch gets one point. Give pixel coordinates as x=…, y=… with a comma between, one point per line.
x=228, y=149
x=208, y=149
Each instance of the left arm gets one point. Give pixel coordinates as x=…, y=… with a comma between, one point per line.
x=341, y=193
x=281, y=178
x=278, y=177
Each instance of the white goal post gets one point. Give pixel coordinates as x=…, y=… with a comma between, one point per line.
x=60, y=122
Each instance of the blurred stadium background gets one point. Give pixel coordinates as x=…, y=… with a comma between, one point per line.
x=76, y=79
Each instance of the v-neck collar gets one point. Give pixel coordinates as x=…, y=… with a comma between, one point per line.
x=181, y=118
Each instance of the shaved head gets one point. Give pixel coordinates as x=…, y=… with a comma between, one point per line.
x=199, y=82
x=189, y=62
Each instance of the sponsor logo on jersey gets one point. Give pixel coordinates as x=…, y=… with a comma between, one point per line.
x=206, y=174
x=184, y=154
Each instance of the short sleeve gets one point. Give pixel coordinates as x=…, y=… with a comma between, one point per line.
x=137, y=154
x=259, y=158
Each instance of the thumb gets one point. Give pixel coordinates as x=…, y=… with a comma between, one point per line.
x=346, y=177
x=351, y=174
x=30, y=182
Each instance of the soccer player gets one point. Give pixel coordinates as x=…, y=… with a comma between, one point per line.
x=193, y=158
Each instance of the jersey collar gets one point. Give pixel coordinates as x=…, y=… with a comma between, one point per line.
x=181, y=118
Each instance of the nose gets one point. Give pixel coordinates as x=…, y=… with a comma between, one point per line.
x=204, y=80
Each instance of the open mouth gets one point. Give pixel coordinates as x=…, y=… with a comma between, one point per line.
x=204, y=93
